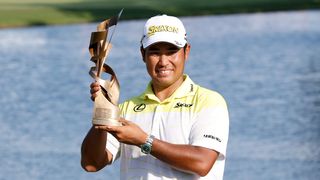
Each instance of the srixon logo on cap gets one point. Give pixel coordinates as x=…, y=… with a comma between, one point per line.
x=162, y=28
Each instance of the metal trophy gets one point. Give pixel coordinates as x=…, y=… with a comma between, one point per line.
x=106, y=110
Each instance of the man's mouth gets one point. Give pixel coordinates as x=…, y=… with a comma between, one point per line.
x=164, y=72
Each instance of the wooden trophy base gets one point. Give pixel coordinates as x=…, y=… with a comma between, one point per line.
x=104, y=112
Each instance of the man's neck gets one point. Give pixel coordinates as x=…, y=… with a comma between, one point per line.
x=164, y=92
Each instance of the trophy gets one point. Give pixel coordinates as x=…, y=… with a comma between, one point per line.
x=106, y=110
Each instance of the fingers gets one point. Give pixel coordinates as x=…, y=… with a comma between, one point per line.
x=94, y=84
x=102, y=128
x=107, y=128
x=94, y=88
x=124, y=122
x=113, y=128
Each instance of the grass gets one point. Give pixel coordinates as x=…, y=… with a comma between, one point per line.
x=44, y=12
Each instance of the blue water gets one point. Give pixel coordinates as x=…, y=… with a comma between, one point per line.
x=267, y=66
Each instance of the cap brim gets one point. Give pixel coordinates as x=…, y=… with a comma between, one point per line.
x=156, y=39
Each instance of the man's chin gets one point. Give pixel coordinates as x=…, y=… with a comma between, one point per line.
x=165, y=75
x=163, y=81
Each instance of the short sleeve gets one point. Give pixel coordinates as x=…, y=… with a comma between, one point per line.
x=113, y=146
x=210, y=127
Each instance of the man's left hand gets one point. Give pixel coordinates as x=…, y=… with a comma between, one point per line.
x=128, y=133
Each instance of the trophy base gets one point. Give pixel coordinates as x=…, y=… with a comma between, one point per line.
x=106, y=122
x=105, y=113
x=106, y=116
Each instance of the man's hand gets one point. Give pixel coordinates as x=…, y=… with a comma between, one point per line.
x=128, y=133
x=94, y=88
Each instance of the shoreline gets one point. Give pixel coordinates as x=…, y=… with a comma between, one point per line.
x=32, y=13
x=133, y=19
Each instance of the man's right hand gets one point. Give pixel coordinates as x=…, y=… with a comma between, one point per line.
x=94, y=88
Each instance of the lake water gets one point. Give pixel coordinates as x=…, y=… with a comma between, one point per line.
x=267, y=66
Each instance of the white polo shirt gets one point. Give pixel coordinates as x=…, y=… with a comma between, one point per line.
x=192, y=115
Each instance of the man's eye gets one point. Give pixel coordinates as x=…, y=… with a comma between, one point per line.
x=153, y=52
x=172, y=51
x=168, y=52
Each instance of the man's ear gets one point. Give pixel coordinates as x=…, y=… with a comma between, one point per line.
x=187, y=51
x=143, y=53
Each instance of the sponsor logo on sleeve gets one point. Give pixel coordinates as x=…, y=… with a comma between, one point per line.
x=212, y=137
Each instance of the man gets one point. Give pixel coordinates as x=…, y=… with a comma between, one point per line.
x=175, y=129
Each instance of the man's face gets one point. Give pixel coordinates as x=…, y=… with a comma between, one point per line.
x=165, y=63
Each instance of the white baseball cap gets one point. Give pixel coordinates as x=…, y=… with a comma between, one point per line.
x=164, y=28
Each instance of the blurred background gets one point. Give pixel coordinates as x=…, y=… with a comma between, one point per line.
x=46, y=12
x=261, y=55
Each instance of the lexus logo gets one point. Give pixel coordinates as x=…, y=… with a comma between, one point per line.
x=139, y=107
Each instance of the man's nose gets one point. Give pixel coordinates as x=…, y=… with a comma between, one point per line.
x=163, y=59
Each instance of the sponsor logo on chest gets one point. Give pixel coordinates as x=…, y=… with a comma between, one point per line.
x=179, y=104
x=139, y=107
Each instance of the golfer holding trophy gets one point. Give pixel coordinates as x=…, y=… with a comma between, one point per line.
x=174, y=130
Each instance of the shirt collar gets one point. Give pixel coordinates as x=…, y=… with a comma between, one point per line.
x=187, y=88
